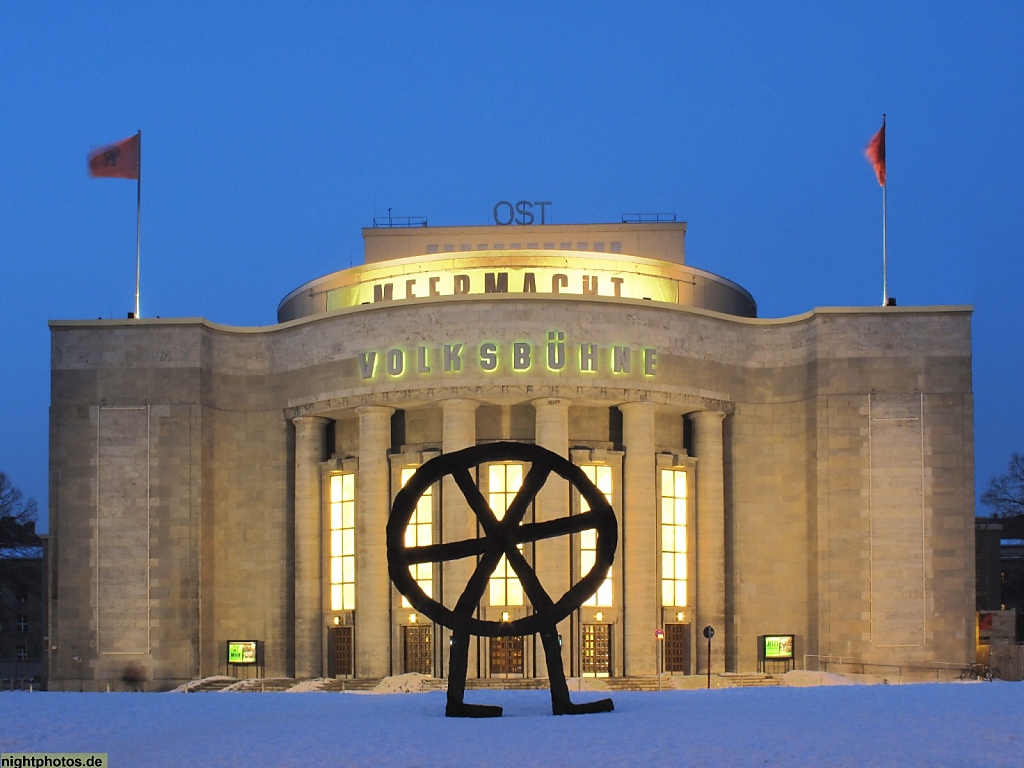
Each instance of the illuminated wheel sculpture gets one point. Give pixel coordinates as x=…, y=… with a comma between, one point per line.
x=502, y=537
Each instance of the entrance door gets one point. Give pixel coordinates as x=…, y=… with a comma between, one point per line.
x=506, y=655
x=597, y=650
x=418, y=649
x=340, y=656
x=677, y=648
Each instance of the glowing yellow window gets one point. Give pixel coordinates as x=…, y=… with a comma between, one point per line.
x=601, y=476
x=343, y=541
x=503, y=483
x=420, y=533
x=673, y=537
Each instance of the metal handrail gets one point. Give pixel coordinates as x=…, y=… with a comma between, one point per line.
x=646, y=218
x=385, y=222
x=824, y=661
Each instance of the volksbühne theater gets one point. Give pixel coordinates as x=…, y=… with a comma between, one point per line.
x=219, y=495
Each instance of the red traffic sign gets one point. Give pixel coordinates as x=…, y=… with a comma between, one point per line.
x=659, y=633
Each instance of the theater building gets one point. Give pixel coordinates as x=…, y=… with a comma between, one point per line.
x=807, y=476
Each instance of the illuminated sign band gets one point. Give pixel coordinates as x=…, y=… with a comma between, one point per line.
x=465, y=282
x=439, y=272
x=504, y=272
x=554, y=355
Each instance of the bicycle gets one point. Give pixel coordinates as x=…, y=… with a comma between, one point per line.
x=976, y=672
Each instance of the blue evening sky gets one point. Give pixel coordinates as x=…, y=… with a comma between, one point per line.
x=273, y=132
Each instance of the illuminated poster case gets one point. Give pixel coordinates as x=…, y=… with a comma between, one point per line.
x=241, y=656
x=775, y=653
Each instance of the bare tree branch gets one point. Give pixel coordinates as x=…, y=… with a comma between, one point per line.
x=1005, y=494
x=20, y=549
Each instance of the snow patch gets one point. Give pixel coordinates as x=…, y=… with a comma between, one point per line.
x=410, y=682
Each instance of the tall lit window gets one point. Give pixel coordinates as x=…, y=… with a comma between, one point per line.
x=503, y=483
x=420, y=533
x=673, y=537
x=601, y=476
x=343, y=542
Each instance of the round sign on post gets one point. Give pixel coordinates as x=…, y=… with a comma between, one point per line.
x=659, y=635
x=709, y=632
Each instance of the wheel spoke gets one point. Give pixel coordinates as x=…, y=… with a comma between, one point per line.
x=528, y=491
x=477, y=583
x=539, y=598
x=441, y=553
x=476, y=500
x=551, y=529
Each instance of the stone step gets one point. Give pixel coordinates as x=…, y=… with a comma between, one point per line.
x=749, y=680
x=211, y=686
x=635, y=683
x=507, y=683
x=341, y=685
x=262, y=685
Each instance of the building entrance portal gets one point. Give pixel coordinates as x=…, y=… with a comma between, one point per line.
x=506, y=656
x=340, y=652
x=418, y=649
x=597, y=650
x=677, y=648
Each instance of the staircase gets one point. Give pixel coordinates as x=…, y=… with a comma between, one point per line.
x=637, y=683
x=210, y=686
x=507, y=683
x=748, y=680
x=262, y=685
x=341, y=685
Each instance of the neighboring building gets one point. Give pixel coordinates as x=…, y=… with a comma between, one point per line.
x=1012, y=564
x=988, y=534
x=22, y=622
x=807, y=476
x=999, y=558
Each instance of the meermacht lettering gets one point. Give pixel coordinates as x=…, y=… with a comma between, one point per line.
x=434, y=286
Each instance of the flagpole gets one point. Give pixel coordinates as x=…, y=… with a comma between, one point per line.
x=138, y=230
x=885, y=274
x=885, y=255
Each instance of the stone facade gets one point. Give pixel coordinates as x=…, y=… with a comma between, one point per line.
x=828, y=457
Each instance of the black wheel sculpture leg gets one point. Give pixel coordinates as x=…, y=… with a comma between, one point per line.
x=457, y=668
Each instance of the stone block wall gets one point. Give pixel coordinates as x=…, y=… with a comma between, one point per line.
x=848, y=465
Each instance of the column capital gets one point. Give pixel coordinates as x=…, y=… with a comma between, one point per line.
x=551, y=402
x=311, y=421
x=709, y=416
x=637, y=406
x=459, y=402
x=361, y=409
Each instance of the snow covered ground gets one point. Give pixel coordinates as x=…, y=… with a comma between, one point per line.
x=933, y=724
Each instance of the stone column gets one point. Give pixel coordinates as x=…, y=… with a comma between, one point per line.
x=457, y=520
x=310, y=447
x=373, y=504
x=554, y=556
x=709, y=518
x=638, y=543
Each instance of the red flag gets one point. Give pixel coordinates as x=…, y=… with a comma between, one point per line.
x=117, y=161
x=875, y=152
